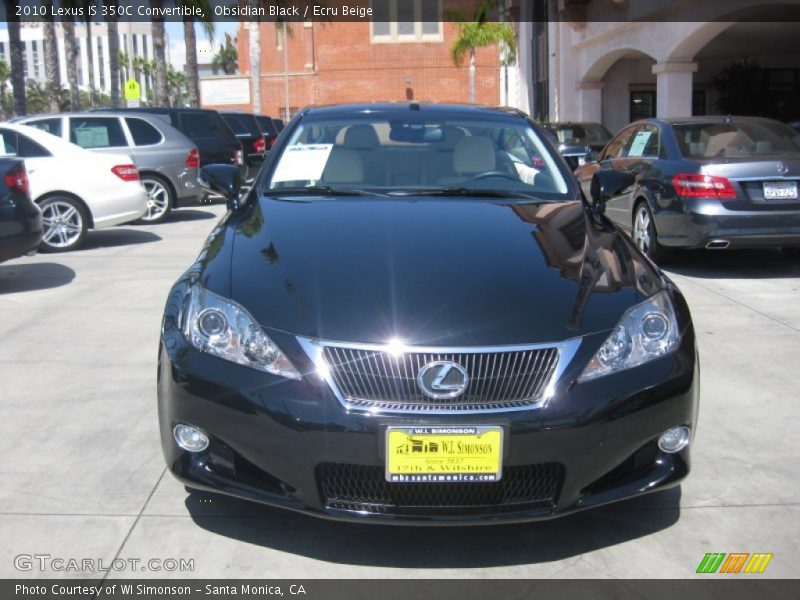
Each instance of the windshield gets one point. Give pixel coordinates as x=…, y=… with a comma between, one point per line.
x=416, y=153
x=580, y=133
x=747, y=139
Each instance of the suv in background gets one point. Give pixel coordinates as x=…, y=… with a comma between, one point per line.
x=268, y=129
x=254, y=144
x=167, y=160
x=207, y=129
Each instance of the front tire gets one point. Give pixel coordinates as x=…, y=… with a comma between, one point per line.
x=644, y=233
x=65, y=224
x=159, y=199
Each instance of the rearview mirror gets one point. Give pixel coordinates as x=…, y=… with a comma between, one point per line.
x=606, y=184
x=224, y=180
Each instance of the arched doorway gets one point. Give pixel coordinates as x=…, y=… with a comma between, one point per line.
x=619, y=87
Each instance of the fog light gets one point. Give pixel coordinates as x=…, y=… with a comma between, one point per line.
x=675, y=439
x=190, y=438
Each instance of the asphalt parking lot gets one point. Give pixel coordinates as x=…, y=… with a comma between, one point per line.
x=83, y=476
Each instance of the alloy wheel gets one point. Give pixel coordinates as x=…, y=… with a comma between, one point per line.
x=157, y=200
x=642, y=229
x=63, y=224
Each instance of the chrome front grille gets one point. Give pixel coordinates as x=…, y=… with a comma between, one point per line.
x=375, y=378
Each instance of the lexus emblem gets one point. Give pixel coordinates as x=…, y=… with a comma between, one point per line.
x=782, y=168
x=442, y=379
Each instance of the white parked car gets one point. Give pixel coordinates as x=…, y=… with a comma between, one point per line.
x=77, y=190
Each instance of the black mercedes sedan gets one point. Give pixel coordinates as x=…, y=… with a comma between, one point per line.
x=414, y=316
x=705, y=182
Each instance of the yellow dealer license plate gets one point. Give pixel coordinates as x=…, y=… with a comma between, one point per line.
x=444, y=454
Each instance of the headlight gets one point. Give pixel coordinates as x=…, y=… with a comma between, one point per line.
x=223, y=328
x=645, y=332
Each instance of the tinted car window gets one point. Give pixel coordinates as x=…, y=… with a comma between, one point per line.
x=204, y=126
x=755, y=138
x=618, y=147
x=96, y=132
x=266, y=125
x=581, y=133
x=244, y=125
x=142, y=132
x=644, y=143
x=16, y=144
x=51, y=126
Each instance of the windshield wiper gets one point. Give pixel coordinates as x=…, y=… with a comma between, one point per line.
x=321, y=190
x=469, y=193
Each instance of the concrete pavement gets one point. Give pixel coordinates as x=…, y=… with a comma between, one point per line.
x=83, y=477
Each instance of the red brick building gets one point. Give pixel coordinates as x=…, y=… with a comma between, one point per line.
x=365, y=62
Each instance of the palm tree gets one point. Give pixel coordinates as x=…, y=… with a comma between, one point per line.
x=138, y=66
x=190, y=39
x=36, y=99
x=123, y=68
x=113, y=55
x=52, y=72
x=226, y=58
x=17, y=65
x=5, y=75
x=149, y=68
x=161, y=95
x=72, y=57
x=89, y=51
x=476, y=32
x=176, y=82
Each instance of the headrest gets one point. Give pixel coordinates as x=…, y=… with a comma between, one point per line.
x=361, y=137
x=450, y=135
x=343, y=166
x=473, y=154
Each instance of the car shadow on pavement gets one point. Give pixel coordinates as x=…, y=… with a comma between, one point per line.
x=188, y=214
x=32, y=276
x=733, y=264
x=114, y=236
x=435, y=547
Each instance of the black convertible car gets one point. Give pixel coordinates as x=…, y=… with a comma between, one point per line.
x=415, y=316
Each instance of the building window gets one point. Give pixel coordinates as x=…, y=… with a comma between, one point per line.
x=135, y=44
x=279, y=33
x=144, y=45
x=293, y=110
x=642, y=105
x=406, y=20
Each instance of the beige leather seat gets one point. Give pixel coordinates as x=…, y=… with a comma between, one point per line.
x=343, y=167
x=363, y=140
x=472, y=155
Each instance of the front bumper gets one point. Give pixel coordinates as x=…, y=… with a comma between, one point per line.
x=277, y=441
x=696, y=223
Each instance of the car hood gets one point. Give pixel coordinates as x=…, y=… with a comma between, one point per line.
x=432, y=271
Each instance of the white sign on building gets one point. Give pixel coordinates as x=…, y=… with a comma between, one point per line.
x=225, y=91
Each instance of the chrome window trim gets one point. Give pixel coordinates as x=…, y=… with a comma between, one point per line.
x=314, y=348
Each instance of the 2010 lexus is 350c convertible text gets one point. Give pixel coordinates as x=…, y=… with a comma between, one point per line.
x=414, y=316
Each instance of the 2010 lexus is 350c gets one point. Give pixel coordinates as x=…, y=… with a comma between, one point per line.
x=414, y=316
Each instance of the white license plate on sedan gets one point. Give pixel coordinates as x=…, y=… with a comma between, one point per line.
x=780, y=190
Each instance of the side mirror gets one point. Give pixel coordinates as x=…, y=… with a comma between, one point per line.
x=224, y=180
x=606, y=184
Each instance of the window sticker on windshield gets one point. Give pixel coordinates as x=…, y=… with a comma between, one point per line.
x=639, y=143
x=302, y=162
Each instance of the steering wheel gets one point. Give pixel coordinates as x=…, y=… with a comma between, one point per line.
x=489, y=174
